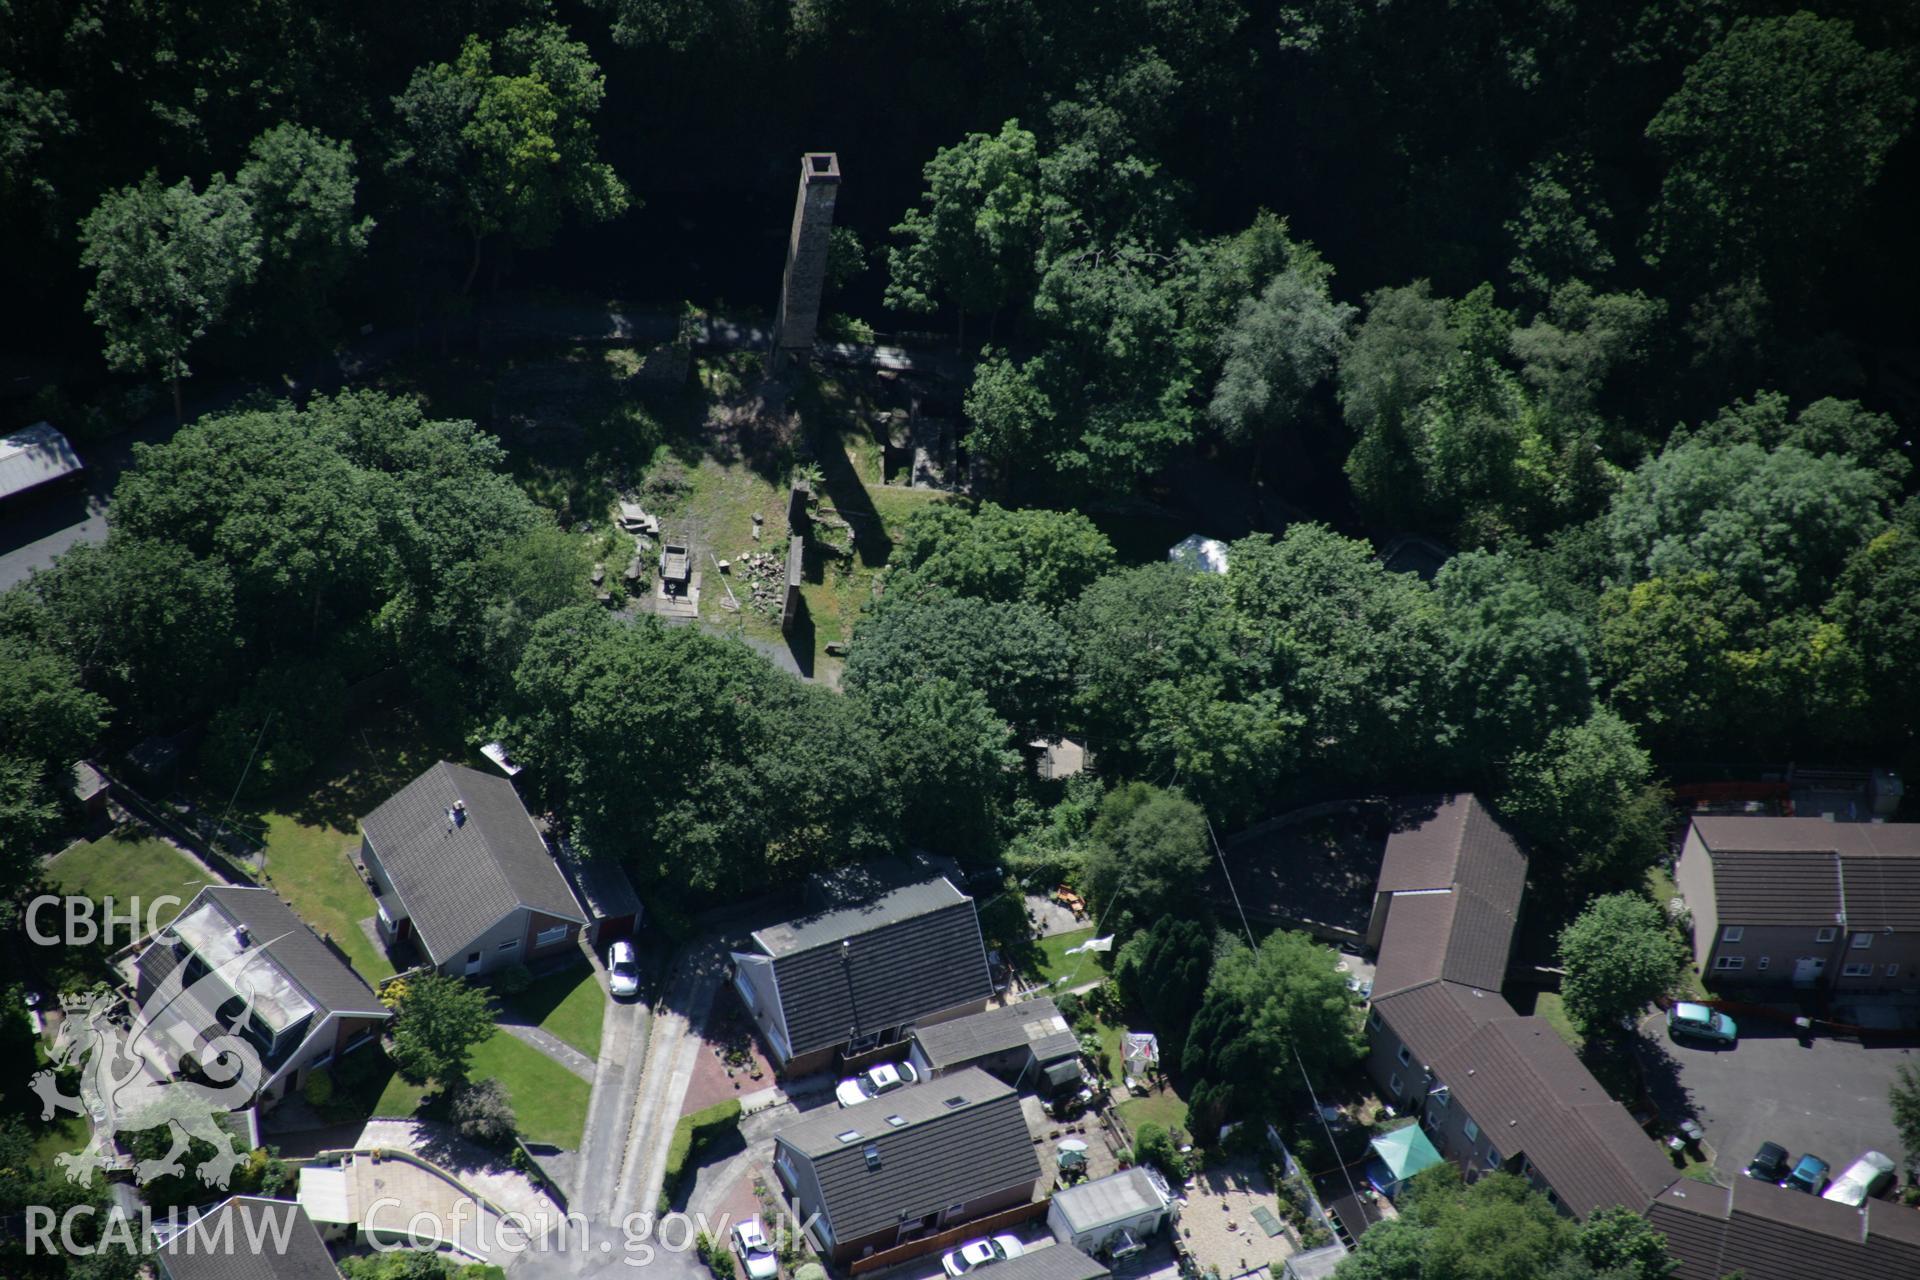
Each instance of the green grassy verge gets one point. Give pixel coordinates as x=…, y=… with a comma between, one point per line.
x=1168, y=1110
x=1056, y=964
x=694, y=1131
x=127, y=866
x=549, y=1101
x=568, y=1004
x=308, y=864
x=1550, y=1006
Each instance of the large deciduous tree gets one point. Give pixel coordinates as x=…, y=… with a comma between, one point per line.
x=681, y=754
x=1588, y=804
x=1146, y=856
x=300, y=185
x=502, y=139
x=1037, y=557
x=971, y=242
x=1773, y=141
x=1281, y=346
x=437, y=1023
x=1014, y=653
x=1621, y=954
x=167, y=263
x=1268, y=1015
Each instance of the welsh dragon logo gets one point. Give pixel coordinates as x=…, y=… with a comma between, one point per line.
x=131, y=1071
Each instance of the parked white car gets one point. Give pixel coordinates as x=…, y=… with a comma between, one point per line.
x=874, y=1081
x=975, y=1254
x=1866, y=1176
x=755, y=1250
x=623, y=970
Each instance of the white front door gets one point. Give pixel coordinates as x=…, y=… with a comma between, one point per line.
x=1807, y=970
x=473, y=962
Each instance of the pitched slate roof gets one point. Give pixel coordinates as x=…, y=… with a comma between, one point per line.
x=459, y=879
x=1770, y=1233
x=1435, y=1016
x=1531, y=1097
x=959, y=1137
x=912, y=950
x=296, y=949
x=249, y=1238
x=1052, y=1262
x=1034, y=1023
x=1456, y=880
x=1808, y=871
x=1460, y=843
x=1088, y=1206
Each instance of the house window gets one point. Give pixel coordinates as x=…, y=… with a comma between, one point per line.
x=1858, y=971
x=547, y=937
x=1404, y=1056
x=1763, y=962
x=1733, y=933
x=1861, y=941
x=1439, y=1098
x=1493, y=1155
x=1893, y=971
x=1826, y=935
x=1473, y=1132
x=1730, y=962
x=1393, y=1083
x=1373, y=1019
x=510, y=944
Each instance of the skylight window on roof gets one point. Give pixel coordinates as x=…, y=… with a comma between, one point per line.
x=851, y=1135
x=897, y=1121
x=957, y=1100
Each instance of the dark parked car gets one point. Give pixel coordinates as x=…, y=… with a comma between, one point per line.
x=1809, y=1175
x=1769, y=1163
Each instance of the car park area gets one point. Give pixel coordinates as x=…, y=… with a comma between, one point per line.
x=1827, y=1097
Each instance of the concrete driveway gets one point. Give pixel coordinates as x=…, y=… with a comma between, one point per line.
x=1828, y=1098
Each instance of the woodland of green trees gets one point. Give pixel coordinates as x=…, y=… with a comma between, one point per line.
x=1612, y=300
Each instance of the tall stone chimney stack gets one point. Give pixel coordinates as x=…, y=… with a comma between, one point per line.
x=806, y=274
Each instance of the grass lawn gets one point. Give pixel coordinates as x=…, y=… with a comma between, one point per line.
x=1165, y=1109
x=125, y=866
x=1550, y=1006
x=308, y=864
x=1057, y=964
x=549, y=1101
x=128, y=865
x=398, y=1098
x=568, y=1004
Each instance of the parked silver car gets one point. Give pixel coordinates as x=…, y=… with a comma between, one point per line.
x=1871, y=1174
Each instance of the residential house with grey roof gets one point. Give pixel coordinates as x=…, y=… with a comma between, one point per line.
x=238, y=961
x=918, y=1162
x=885, y=948
x=247, y=1238
x=1015, y=1042
x=1780, y=903
x=1493, y=1090
x=1759, y=1231
x=460, y=872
